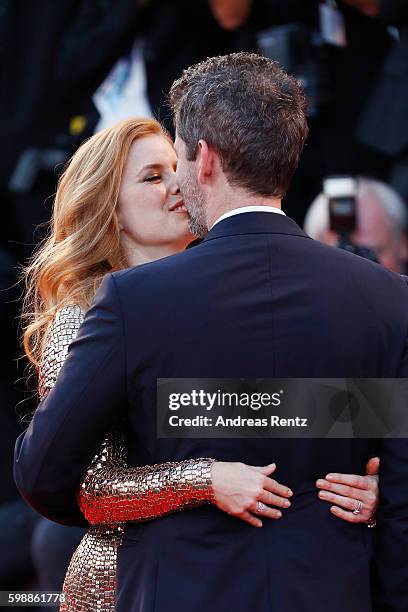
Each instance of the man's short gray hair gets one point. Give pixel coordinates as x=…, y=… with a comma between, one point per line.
x=250, y=111
x=317, y=217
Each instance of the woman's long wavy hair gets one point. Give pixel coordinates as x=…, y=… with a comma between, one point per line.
x=84, y=240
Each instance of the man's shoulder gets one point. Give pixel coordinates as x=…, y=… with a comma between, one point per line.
x=159, y=270
x=352, y=269
x=316, y=258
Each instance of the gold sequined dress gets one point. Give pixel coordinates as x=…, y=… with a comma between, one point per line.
x=112, y=493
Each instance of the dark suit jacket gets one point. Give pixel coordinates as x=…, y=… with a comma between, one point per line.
x=257, y=298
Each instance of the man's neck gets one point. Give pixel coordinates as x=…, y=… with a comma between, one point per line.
x=221, y=209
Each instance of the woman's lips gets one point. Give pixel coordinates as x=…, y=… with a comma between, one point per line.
x=178, y=208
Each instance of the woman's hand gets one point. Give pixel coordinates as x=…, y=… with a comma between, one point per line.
x=345, y=490
x=239, y=487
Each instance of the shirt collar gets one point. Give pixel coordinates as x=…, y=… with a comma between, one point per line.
x=245, y=209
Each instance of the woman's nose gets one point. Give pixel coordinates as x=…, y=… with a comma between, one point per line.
x=175, y=189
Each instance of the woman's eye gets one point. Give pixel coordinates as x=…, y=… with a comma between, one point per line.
x=154, y=177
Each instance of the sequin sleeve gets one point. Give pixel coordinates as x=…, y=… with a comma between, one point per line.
x=112, y=493
x=62, y=331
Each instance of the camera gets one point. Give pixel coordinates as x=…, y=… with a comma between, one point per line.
x=341, y=194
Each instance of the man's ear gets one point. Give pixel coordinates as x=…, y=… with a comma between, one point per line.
x=206, y=162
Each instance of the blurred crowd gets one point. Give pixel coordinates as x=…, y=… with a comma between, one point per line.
x=72, y=67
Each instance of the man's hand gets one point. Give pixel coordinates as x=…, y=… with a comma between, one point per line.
x=239, y=487
x=371, y=8
x=230, y=14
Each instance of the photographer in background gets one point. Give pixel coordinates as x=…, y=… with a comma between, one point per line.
x=364, y=216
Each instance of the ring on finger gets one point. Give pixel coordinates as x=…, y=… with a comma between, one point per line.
x=260, y=507
x=357, y=509
x=371, y=522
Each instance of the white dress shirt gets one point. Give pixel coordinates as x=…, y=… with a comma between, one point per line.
x=246, y=209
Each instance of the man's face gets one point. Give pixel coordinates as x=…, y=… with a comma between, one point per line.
x=193, y=196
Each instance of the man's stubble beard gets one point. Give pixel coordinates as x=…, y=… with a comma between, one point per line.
x=195, y=203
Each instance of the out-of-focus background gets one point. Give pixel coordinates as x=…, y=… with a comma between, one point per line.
x=72, y=67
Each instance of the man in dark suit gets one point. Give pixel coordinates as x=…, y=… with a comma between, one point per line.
x=257, y=298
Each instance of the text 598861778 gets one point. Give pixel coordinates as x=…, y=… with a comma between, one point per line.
x=31, y=598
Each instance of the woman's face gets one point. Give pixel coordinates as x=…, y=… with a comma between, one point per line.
x=151, y=212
